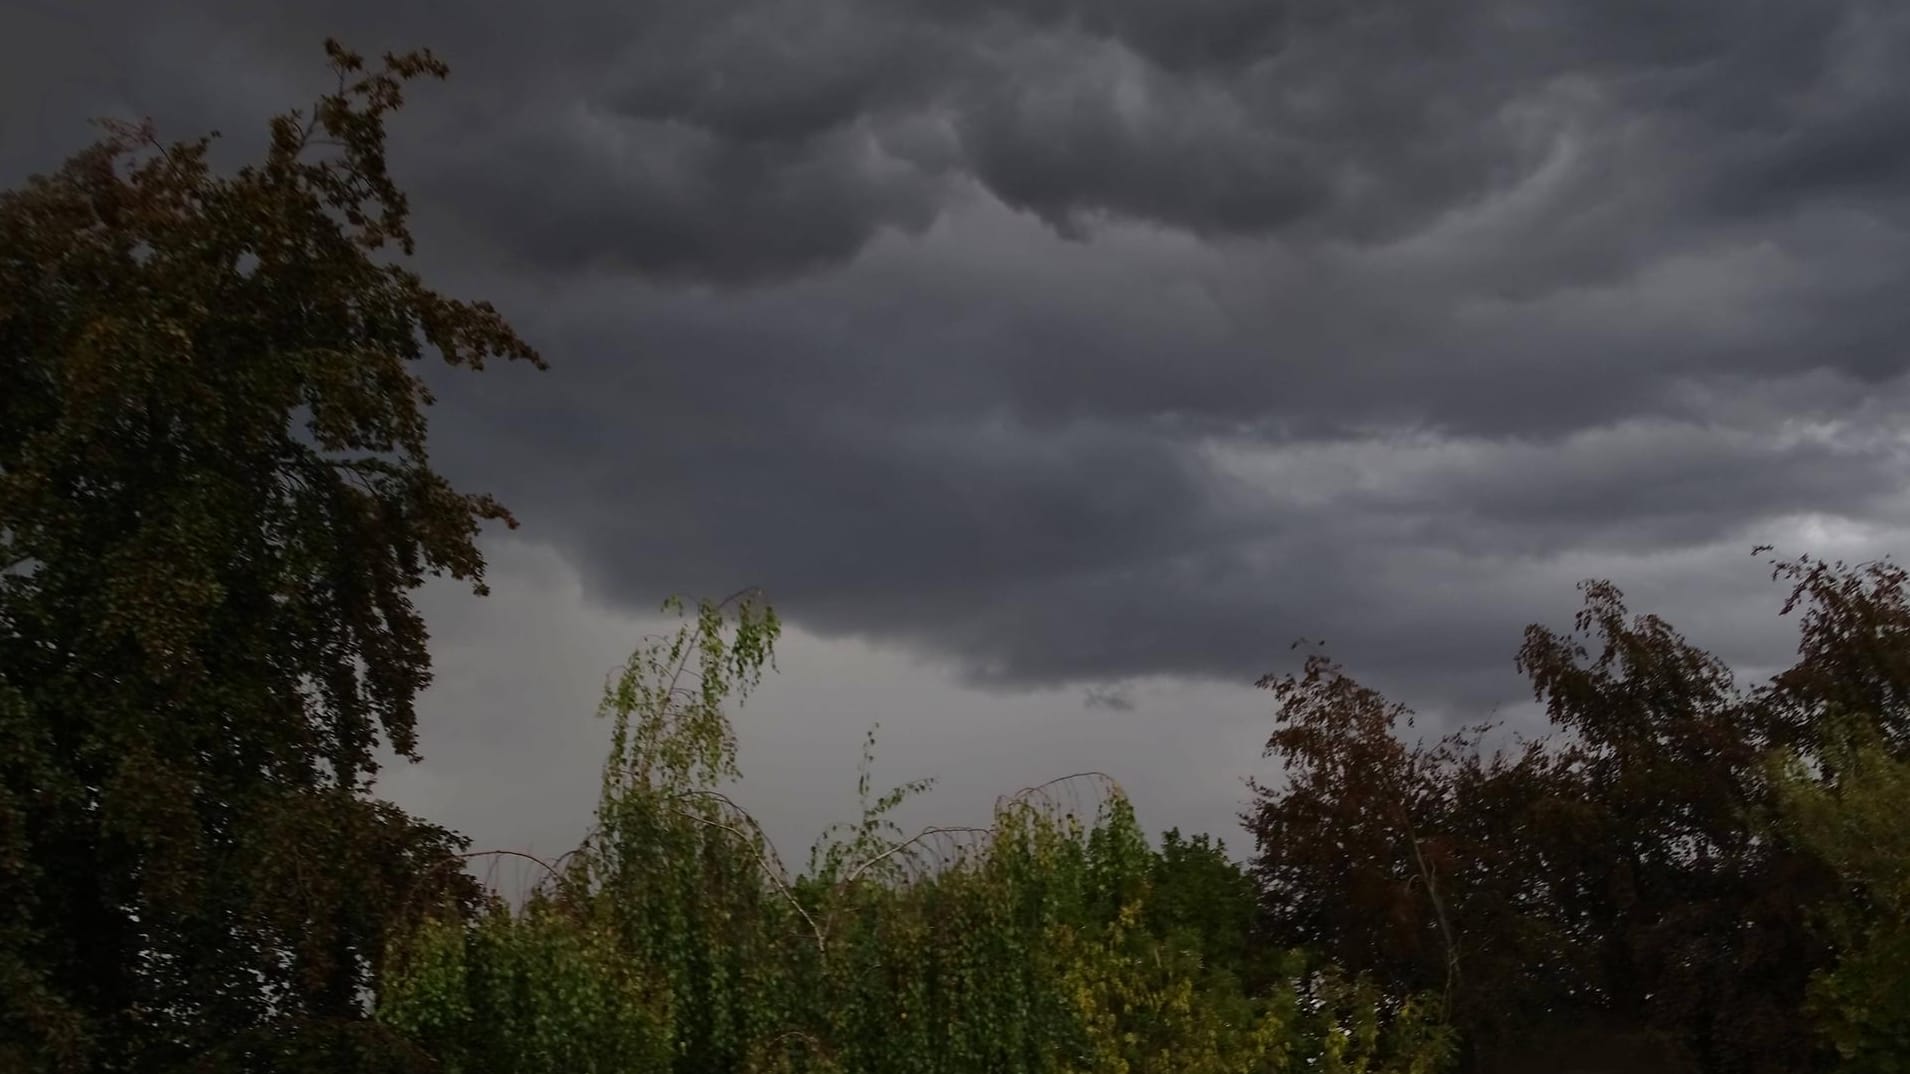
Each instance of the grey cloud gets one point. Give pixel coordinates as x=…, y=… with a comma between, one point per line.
x=1185, y=38
x=756, y=140
x=1679, y=484
x=1076, y=130
x=1595, y=255
x=777, y=70
x=620, y=194
x=1031, y=494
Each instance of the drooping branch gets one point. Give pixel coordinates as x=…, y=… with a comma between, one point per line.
x=782, y=888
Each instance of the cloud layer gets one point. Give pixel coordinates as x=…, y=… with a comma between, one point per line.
x=1069, y=344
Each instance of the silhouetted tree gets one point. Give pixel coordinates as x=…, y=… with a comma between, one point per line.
x=1619, y=870
x=205, y=626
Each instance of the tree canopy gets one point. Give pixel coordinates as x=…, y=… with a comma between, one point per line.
x=1624, y=869
x=215, y=498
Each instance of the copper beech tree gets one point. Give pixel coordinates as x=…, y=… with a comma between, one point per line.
x=215, y=500
x=1621, y=871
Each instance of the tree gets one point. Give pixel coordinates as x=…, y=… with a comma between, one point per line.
x=1201, y=900
x=1618, y=870
x=215, y=499
x=1848, y=808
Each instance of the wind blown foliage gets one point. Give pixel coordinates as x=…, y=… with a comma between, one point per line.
x=1055, y=940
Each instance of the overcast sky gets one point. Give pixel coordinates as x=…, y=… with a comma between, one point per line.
x=1055, y=364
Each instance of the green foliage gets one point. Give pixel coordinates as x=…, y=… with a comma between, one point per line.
x=205, y=626
x=1849, y=807
x=1198, y=893
x=541, y=990
x=1054, y=940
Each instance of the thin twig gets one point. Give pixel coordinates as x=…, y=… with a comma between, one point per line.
x=821, y=939
x=903, y=845
x=548, y=867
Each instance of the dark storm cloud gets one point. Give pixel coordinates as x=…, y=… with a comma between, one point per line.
x=664, y=199
x=747, y=139
x=932, y=480
x=1081, y=341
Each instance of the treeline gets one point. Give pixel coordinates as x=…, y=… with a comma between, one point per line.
x=1055, y=940
x=215, y=502
x=1686, y=876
